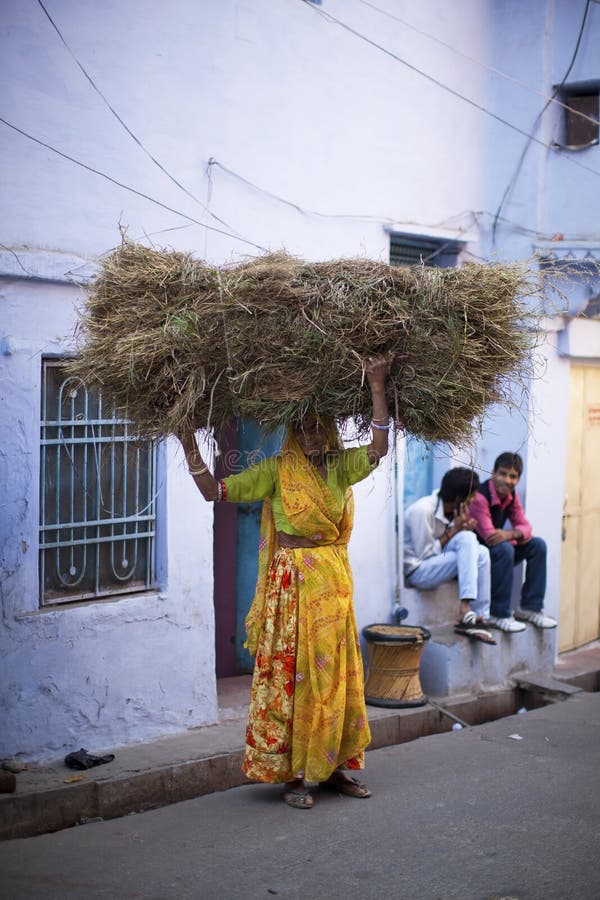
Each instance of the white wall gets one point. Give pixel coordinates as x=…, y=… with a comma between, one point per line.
x=296, y=105
x=100, y=673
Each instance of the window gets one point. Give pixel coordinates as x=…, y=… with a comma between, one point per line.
x=97, y=496
x=406, y=250
x=580, y=126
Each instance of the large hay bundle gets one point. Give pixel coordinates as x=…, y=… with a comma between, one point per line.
x=174, y=342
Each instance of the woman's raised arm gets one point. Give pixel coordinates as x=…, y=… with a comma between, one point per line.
x=205, y=481
x=376, y=370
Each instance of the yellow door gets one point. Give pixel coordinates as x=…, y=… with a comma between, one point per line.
x=580, y=560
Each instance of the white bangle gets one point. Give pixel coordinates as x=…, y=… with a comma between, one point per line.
x=380, y=427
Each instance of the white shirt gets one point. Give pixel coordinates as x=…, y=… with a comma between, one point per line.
x=424, y=524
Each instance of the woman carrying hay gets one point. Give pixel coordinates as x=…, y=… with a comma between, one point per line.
x=307, y=719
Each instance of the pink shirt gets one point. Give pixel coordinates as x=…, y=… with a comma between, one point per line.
x=480, y=511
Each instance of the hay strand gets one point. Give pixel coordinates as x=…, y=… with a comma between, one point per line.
x=175, y=343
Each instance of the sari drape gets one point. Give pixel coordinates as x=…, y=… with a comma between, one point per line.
x=307, y=713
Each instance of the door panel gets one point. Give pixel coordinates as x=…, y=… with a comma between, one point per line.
x=253, y=445
x=580, y=559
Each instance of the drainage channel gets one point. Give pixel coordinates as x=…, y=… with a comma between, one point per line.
x=397, y=725
x=442, y=714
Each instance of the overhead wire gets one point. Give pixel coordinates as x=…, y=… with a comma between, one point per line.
x=296, y=206
x=124, y=124
x=251, y=184
x=445, y=87
x=531, y=138
x=383, y=219
x=481, y=64
x=17, y=257
x=127, y=187
x=232, y=234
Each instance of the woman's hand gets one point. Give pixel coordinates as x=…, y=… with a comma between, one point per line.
x=377, y=369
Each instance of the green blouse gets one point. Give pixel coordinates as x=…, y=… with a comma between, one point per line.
x=260, y=481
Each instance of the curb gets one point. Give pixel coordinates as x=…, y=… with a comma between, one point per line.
x=25, y=814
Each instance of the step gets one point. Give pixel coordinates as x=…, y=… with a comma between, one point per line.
x=453, y=664
x=439, y=606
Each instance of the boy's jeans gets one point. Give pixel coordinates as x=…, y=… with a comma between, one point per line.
x=505, y=557
x=465, y=557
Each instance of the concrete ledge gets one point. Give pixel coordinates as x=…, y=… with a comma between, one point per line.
x=45, y=265
x=453, y=664
x=28, y=814
x=439, y=606
x=551, y=688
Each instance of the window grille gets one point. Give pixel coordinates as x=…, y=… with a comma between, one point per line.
x=97, y=496
x=406, y=250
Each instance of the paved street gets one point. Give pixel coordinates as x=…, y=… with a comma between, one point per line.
x=468, y=814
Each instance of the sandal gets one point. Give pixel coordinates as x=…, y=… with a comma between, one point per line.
x=474, y=633
x=347, y=786
x=471, y=619
x=81, y=759
x=298, y=797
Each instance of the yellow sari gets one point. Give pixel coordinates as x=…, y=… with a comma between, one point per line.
x=307, y=713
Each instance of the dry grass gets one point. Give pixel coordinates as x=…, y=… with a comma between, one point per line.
x=175, y=343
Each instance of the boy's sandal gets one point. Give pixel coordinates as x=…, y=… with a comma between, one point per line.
x=298, y=798
x=471, y=619
x=347, y=786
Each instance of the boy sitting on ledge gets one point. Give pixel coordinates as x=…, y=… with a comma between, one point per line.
x=440, y=544
x=494, y=504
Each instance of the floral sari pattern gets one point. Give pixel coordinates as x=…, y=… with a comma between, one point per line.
x=307, y=713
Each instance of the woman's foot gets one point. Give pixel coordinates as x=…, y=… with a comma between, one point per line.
x=344, y=784
x=297, y=795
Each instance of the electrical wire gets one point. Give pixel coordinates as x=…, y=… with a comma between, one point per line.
x=534, y=127
x=17, y=257
x=214, y=162
x=302, y=210
x=445, y=87
x=233, y=234
x=478, y=62
x=125, y=126
x=383, y=219
x=126, y=187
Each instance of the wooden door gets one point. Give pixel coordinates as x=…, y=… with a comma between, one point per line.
x=237, y=533
x=580, y=560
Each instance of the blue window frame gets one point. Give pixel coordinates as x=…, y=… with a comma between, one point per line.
x=97, y=496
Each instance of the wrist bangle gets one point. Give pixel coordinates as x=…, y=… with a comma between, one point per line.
x=380, y=427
